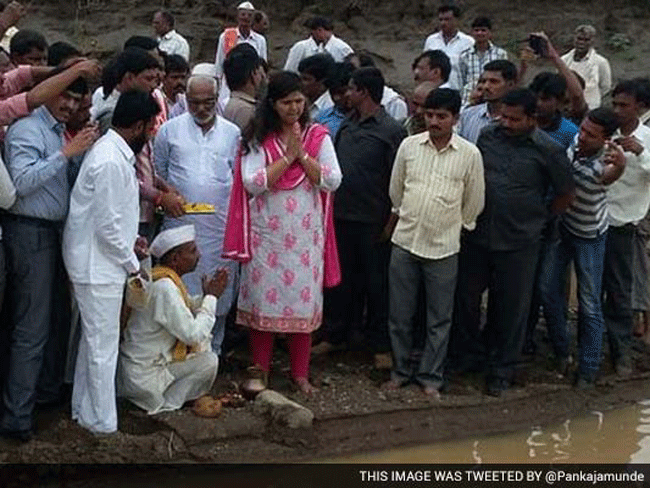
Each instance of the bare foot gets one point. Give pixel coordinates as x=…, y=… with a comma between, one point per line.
x=391, y=385
x=431, y=392
x=304, y=386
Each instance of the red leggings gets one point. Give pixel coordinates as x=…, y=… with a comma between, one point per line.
x=261, y=349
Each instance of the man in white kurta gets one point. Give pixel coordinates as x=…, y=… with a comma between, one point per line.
x=151, y=373
x=98, y=251
x=450, y=41
x=321, y=40
x=196, y=153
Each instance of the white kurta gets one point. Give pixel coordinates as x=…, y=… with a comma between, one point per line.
x=146, y=369
x=98, y=241
x=200, y=166
x=456, y=45
x=336, y=47
x=282, y=285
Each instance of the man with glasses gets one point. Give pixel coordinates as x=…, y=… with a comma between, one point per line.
x=195, y=152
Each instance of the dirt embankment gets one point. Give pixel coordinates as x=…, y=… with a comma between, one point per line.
x=393, y=31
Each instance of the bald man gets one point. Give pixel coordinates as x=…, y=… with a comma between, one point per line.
x=415, y=123
x=196, y=151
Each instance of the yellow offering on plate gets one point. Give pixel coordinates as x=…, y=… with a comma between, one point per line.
x=198, y=208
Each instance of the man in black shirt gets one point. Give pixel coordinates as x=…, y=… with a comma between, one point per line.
x=521, y=162
x=366, y=145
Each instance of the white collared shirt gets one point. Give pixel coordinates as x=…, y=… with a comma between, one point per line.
x=256, y=40
x=102, y=223
x=629, y=196
x=457, y=44
x=174, y=43
x=338, y=48
x=322, y=103
x=394, y=104
x=595, y=71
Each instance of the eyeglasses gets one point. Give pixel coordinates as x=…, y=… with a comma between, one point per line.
x=208, y=102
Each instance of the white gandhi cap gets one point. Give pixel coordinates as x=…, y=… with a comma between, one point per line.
x=245, y=6
x=169, y=239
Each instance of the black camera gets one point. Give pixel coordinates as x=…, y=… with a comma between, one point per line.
x=537, y=44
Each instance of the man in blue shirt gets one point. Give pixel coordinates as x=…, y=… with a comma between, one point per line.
x=37, y=159
x=550, y=90
x=338, y=84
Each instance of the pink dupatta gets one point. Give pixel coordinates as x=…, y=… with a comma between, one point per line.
x=237, y=246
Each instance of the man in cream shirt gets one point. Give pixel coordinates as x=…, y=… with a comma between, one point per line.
x=436, y=188
x=591, y=66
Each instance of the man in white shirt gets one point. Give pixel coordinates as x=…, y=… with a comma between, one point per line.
x=232, y=36
x=433, y=66
x=591, y=66
x=322, y=40
x=450, y=40
x=98, y=249
x=195, y=152
x=169, y=41
x=315, y=72
x=628, y=200
x=165, y=358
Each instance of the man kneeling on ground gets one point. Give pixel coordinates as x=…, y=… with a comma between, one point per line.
x=165, y=356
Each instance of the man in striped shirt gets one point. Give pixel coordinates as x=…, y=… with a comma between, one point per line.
x=436, y=187
x=596, y=163
x=473, y=59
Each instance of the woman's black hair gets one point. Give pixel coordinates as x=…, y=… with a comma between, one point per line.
x=266, y=120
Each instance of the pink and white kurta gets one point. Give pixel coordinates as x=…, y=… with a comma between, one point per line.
x=282, y=284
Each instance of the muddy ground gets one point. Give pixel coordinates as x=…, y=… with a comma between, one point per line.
x=352, y=415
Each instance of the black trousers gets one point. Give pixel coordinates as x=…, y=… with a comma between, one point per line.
x=509, y=276
x=364, y=287
x=618, y=277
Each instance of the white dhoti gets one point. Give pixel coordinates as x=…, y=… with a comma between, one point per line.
x=93, y=394
x=193, y=378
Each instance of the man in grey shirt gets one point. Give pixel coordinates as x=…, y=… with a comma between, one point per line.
x=37, y=159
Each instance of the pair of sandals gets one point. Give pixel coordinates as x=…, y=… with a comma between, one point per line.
x=258, y=380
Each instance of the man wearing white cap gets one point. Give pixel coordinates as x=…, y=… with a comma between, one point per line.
x=165, y=357
x=196, y=152
x=232, y=36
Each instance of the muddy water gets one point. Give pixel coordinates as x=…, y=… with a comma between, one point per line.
x=615, y=436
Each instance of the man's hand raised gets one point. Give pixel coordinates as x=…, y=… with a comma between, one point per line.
x=217, y=284
x=81, y=142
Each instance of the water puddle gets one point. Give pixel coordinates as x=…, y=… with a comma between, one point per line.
x=614, y=436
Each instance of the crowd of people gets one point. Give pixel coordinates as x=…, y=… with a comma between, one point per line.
x=148, y=202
